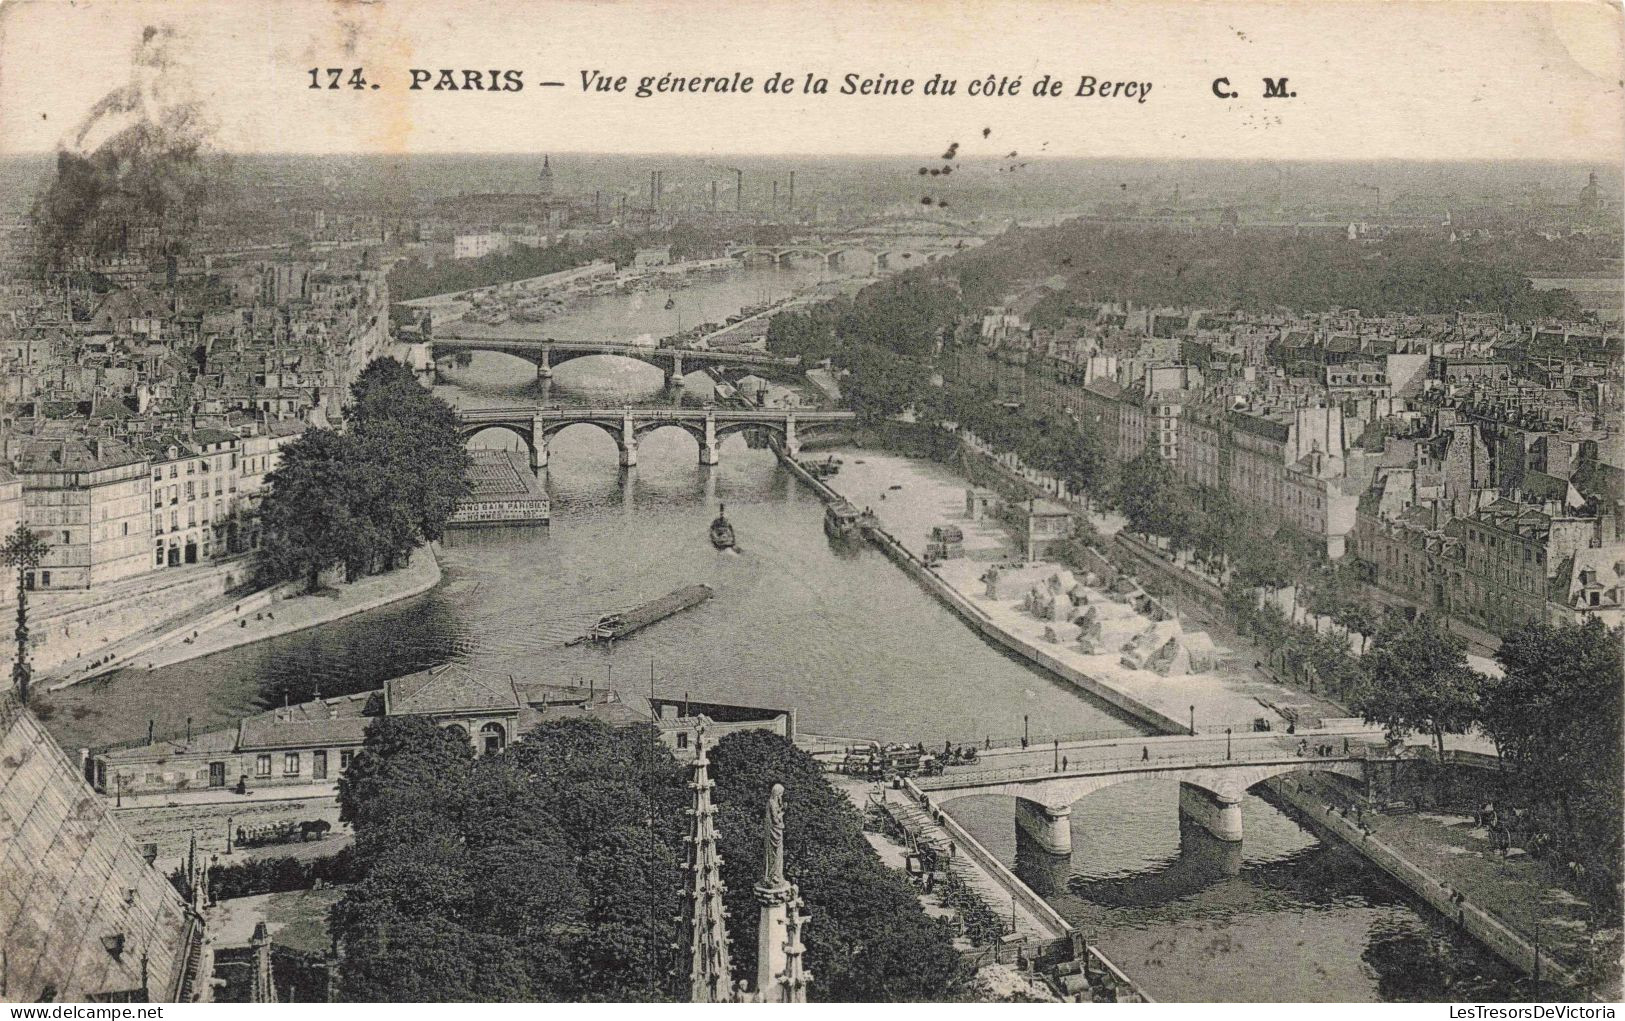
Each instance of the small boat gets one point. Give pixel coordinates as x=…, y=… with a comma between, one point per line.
x=722, y=533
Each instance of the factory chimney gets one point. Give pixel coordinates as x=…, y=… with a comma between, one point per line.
x=739, y=191
x=790, y=205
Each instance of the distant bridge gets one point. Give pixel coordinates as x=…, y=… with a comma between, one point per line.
x=878, y=253
x=1213, y=774
x=708, y=426
x=546, y=353
x=889, y=244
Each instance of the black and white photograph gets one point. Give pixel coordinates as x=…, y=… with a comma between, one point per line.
x=861, y=501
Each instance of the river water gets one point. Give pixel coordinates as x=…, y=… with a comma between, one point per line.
x=837, y=633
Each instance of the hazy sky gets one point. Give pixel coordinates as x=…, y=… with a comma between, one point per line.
x=1443, y=80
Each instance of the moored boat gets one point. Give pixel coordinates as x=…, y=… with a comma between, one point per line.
x=841, y=519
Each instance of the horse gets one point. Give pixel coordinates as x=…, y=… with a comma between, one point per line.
x=318, y=827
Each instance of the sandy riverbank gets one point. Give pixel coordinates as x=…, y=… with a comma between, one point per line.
x=910, y=496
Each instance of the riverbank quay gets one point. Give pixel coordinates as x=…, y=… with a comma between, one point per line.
x=271, y=613
x=74, y=632
x=1040, y=937
x=1514, y=904
x=910, y=497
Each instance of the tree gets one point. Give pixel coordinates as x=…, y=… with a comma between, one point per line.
x=1417, y=679
x=1555, y=714
x=1150, y=497
x=309, y=510
x=365, y=498
x=871, y=941
x=23, y=550
x=1354, y=615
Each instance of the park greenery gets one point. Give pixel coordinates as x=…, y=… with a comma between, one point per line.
x=366, y=496
x=551, y=871
x=1422, y=272
x=415, y=277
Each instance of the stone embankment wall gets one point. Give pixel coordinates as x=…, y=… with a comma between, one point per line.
x=1477, y=922
x=80, y=625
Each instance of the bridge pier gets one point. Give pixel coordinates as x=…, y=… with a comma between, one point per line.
x=1048, y=826
x=628, y=442
x=710, y=450
x=538, y=447
x=792, y=446
x=544, y=368
x=1219, y=814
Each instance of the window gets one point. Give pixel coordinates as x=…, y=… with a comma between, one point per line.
x=290, y=764
x=174, y=470
x=66, y=537
x=318, y=765
x=262, y=766
x=45, y=579
x=191, y=490
x=682, y=739
x=126, y=528
x=191, y=467
x=345, y=758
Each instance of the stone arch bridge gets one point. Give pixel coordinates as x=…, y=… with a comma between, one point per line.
x=546, y=353
x=835, y=254
x=1212, y=777
x=708, y=426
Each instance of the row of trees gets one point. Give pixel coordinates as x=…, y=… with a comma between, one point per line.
x=1420, y=273
x=367, y=496
x=1553, y=712
x=552, y=871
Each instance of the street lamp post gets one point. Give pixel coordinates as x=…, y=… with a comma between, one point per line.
x=1193, y=721
x=1024, y=730
x=1227, y=743
x=24, y=551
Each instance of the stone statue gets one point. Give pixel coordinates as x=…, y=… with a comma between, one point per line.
x=773, y=839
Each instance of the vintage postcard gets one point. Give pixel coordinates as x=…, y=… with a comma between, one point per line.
x=996, y=502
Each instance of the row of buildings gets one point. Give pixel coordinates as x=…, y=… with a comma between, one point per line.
x=1467, y=464
x=138, y=423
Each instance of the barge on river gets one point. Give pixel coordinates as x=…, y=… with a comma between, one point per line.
x=613, y=626
x=841, y=519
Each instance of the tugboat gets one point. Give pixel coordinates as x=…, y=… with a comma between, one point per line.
x=722, y=533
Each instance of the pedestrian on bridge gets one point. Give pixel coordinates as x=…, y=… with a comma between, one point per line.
x=1145, y=754
x=1063, y=763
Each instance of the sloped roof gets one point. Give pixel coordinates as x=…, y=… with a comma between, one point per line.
x=81, y=912
x=448, y=689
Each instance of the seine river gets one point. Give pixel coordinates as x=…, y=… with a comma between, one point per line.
x=844, y=638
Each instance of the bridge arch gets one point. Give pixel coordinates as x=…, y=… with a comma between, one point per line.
x=695, y=430
x=467, y=432
x=611, y=427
